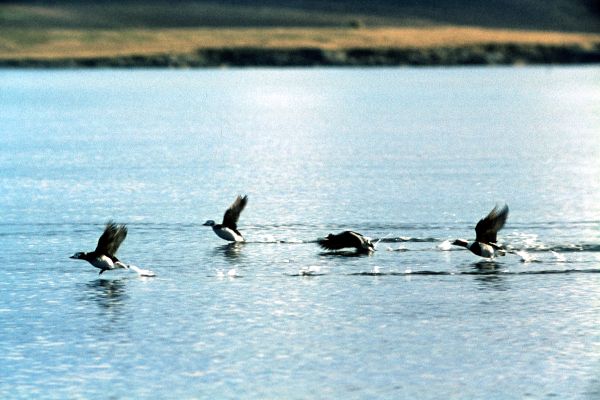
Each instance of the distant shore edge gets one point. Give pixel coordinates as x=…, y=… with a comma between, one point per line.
x=486, y=54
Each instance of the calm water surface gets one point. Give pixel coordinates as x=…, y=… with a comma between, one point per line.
x=413, y=157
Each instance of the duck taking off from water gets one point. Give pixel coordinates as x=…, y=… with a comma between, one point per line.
x=228, y=228
x=485, y=234
x=104, y=256
x=347, y=239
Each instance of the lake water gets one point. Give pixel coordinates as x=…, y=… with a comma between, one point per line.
x=414, y=157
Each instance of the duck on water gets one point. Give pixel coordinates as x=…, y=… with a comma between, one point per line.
x=228, y=228
x=103, y=257
x=347, y=239
x=485, y=243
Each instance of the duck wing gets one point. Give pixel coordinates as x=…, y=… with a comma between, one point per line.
x=232, y=214
x=487, y=228
x=341, y=240
x=111, y=238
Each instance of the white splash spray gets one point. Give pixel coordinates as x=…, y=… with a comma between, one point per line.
x=141, y=272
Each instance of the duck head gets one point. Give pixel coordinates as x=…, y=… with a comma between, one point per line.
x=210, y=222
x=79, y=256
x=461, y=243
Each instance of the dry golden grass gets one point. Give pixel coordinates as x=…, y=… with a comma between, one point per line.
x=60, y=43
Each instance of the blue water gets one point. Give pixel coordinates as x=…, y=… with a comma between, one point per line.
x=413, y=157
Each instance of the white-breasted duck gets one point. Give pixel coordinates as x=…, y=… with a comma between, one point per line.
x=486, y=232
x=228, y=228
x=347, y=239
x=104, y=256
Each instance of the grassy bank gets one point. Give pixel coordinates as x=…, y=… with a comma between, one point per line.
x=196, y=33
x=328, y=46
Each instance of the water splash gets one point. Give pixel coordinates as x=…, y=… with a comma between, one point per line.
x=142, y=272
x=379, y=240
x=232, y=273
x=480, y=271
x=559, y=257
x=400, y=248
x=385, y=239
x=270, y=239
x=311, y=270
x=525, y=256
x=446, y=245
x=265, y=239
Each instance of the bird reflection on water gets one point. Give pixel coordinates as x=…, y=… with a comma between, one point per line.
x=488, y=265
x=231, y=251
x=107, y=293
x=345, y=253
x=489, y=274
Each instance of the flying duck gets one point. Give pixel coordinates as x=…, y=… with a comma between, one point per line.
x=347, y=239
x=104, y=256
x=485, y=234
x=228, y=229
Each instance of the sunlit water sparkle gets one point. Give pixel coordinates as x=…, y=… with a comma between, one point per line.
x=409, y=157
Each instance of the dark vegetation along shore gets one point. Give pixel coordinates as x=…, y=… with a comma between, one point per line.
x=470, y=55
x=201, y=33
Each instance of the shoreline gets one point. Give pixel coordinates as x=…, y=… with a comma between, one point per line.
x=483, y=54
x=292, y=47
